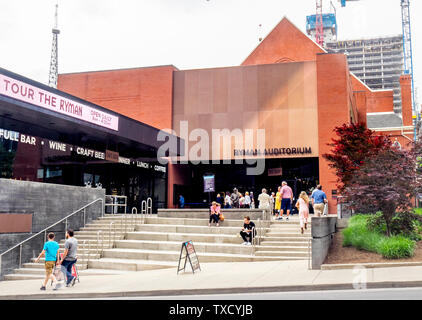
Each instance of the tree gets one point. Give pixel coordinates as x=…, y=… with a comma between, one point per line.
x=355, y=145
x=386, y=182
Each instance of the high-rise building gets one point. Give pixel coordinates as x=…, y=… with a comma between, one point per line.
x=330, y=27
x=378, y=62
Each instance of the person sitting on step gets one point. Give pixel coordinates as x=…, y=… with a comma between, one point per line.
x=248, y=231
x=214, y=214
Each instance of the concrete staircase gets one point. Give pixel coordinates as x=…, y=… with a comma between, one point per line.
x=156, y=243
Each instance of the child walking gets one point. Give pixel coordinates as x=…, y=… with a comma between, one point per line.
x=303, y=206
x=52, y=257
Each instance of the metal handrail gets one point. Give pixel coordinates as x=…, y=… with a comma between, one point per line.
x=309, y=254
x=149, y=205
x=117, y=204
x=49, y=227
x=144, y=206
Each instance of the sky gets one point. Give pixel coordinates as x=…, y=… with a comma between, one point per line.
x=189, y=34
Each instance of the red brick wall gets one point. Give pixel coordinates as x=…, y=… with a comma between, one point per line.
x=360, y=98
x=406, y=99
x=144, y=94
x=380, y=101
x=285, y=43
x=333, y=85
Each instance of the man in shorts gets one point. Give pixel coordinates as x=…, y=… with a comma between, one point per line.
x=69, y=256
x=319, y=199
x=51, y=251
x=286, y=200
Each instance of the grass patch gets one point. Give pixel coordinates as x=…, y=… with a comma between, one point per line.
x=418, y=211
x=358, y=236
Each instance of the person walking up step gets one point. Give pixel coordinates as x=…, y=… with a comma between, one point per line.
x=51, y=252
x=302, y=205
x=286, y=200
x=69, y=256
x=319, y=199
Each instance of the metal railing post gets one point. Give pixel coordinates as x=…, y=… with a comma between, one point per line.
x=109, y=236
x=98, y=242
x=114, y=234
x=89, y=251
x=149, y=205
x=134, y=211
x=65, y=227
x=20, y=256
x=102, y=207
x=84, y=211
x=309, y=254
x=121, y=222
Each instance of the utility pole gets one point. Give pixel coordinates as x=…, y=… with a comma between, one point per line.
x=52, y=79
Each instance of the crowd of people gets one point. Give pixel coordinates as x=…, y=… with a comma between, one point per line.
x=278, y=204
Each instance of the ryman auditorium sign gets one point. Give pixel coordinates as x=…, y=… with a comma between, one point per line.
x=272, y=151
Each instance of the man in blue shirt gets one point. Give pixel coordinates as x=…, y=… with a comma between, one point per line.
x=181, y=202
x=51, y=251
x=319, y=199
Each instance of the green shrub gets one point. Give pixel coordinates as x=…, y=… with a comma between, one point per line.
x=418, y=211
x=376, y=222
x=396, y=247
x=358, y=235
x=402, y=224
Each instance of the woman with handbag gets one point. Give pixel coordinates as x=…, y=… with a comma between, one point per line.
x=214, y=213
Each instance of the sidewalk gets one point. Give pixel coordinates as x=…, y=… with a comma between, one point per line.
x=217, y=278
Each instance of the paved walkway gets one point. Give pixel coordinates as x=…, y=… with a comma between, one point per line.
x=218, y=278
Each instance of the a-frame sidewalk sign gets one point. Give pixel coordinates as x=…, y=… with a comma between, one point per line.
x=187, y=252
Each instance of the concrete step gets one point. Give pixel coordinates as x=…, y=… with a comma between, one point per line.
x=33, y=265
x=297, y=254
x=81, y=258
x=174, y=256
x=188, y=229
x=287, y=234
x=282, y=248
x=298, y=243
x=174, y=221
x=106, y=229
x=233, y=214
x=284, y=238
x=176, y=246
x=41, y=275
x=17, y=276
x=131, y=264
x=182, y=237
x=87, y=235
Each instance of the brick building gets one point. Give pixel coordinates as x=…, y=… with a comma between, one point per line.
x=288, y=85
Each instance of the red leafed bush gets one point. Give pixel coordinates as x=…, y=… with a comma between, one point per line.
x=386, y=182
x=354, y=146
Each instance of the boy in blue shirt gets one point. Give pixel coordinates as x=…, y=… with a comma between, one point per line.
x=52, y=257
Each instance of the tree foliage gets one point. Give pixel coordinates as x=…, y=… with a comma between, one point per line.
x=353, y=147
x=386, y=182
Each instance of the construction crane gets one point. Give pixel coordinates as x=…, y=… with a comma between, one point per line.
x=319, y=25
x=343, y=2
x=407, y=53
